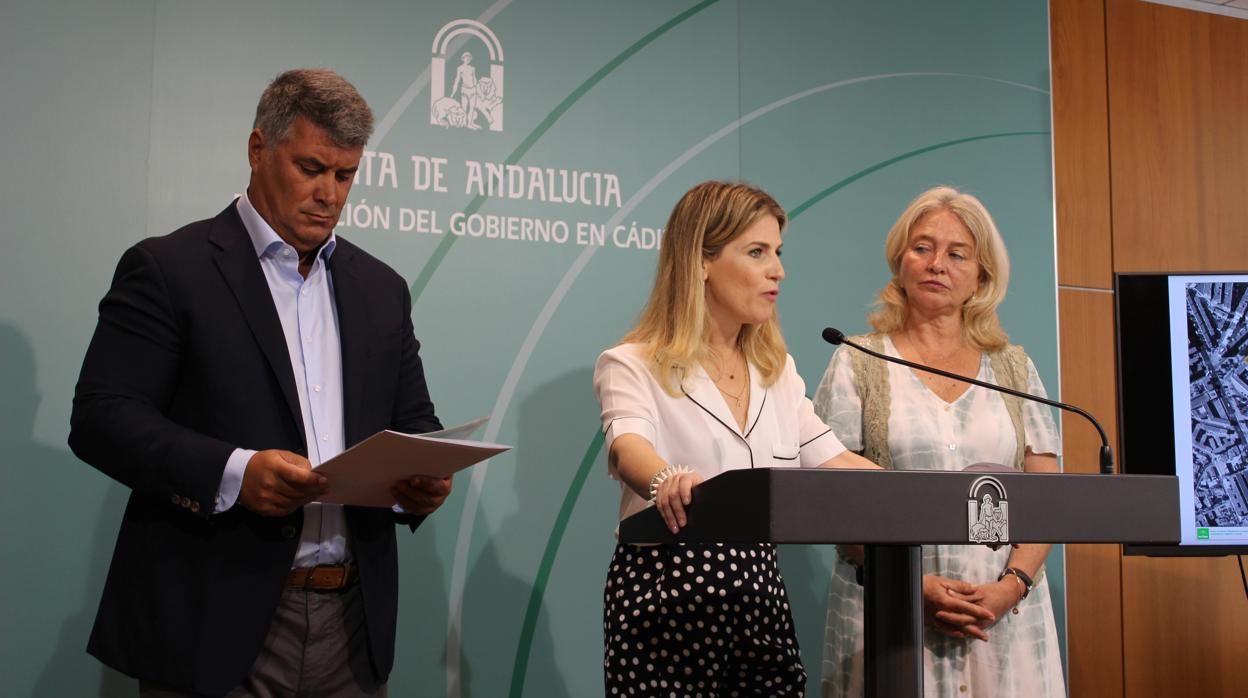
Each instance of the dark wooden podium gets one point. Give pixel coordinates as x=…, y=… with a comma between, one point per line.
x=895, y=512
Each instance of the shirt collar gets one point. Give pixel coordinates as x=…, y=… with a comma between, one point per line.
x=265, y=239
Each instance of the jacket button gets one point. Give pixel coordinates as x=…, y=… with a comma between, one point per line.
x=175, y=499
x=288, y=531
x=195, y=507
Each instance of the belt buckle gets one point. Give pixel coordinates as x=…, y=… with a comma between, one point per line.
x=322, y=577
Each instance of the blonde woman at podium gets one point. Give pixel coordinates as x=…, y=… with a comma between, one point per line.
x=703, y=385
x=989, y=628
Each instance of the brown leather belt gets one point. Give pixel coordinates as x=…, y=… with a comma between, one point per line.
x=322, y=577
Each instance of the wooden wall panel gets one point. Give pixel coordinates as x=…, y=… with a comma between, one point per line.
x=1088, y=375
x=1185, y=625
x=1178, y=105
x=1170, y=193
x=1178, y=98
x=1093, y=617
x=1080, y=142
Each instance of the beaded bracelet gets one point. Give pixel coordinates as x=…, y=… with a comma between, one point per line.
x=659, y=477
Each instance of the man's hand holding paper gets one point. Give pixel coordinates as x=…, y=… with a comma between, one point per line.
x=412, y=470
x=420, y=494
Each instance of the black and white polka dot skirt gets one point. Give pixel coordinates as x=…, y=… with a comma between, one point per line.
x=699, y=620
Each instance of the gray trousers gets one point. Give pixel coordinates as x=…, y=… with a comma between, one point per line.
x=317, y=647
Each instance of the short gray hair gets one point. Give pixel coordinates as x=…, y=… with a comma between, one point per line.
x=321, y=96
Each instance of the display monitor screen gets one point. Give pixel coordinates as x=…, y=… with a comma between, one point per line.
x=1183, y=400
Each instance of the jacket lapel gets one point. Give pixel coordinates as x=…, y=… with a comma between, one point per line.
x=236, y=260
x=353, y=337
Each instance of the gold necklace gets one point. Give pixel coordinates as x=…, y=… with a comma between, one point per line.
x=923, y=357
x=736, y=398
x=934, y=378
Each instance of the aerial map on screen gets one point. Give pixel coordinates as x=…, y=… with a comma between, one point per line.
x=1217, y=327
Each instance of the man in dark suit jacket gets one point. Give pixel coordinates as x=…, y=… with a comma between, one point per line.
x=229, y=357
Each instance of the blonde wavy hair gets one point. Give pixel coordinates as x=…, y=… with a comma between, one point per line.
x=981, y=328
x=674, y=326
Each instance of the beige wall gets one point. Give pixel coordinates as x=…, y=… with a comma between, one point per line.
x=1150, y=135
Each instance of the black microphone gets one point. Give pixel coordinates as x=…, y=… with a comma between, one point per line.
x=831, y=335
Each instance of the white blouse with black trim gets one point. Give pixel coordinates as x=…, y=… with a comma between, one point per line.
x=697, y=429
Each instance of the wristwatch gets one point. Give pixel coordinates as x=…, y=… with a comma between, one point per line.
x=1022, y=577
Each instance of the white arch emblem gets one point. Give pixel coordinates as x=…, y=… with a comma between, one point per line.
x=468, y=26
x=987, y=521
x=471, y=99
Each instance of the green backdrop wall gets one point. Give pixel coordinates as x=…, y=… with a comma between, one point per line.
x=121, y=120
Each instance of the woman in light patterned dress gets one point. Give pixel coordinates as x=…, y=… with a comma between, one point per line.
x=989, y=628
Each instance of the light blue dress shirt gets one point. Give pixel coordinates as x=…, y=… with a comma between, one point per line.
x=310, y=323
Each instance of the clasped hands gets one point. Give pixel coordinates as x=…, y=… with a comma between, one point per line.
x=277, y=482
x=964, y=610
x=957, y=608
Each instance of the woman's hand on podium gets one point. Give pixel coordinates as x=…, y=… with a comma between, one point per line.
x=673, y=495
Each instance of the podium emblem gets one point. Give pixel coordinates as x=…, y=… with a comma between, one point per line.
x=987, y=512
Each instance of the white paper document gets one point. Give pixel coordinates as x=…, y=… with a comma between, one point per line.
x=364, y=474
x=462, y=431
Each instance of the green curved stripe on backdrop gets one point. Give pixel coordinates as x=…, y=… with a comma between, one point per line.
x=548, y=562
x=524, y=645
x=444, y=247
x=802, y=207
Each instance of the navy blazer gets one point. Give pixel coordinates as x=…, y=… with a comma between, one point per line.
x=187, y=363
